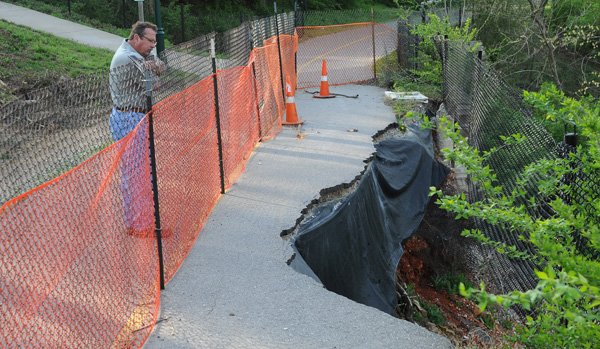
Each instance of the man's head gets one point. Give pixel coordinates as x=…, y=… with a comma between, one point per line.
x=143, y=37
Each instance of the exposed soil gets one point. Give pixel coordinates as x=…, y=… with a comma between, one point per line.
x=435, y=259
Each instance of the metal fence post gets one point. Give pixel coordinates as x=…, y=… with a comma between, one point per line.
x=373, y=41
x=570, y=138
x=445, y=68
x=213, y=56
x=123, y=13
x=154, y=178
x=249, y=33
x=160, y=33
x=181, y=12
x=140, y=10
x=473, y=127
x=279, y=50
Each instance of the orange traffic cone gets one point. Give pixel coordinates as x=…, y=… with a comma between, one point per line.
x=291, y=116
x=324, y=93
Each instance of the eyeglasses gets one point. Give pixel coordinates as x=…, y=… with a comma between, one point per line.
x=152, y=41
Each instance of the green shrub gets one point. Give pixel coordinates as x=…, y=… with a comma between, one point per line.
x=450, y=282
x=434, y=314
x=566, y=300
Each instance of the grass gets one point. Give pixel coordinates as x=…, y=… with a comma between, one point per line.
x=381, y=14
x=450, y=282
x=391, y=76
x=30, y=60
x=61, y=10
x=434, y=314
x=305, y=34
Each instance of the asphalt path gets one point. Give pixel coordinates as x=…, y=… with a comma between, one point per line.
x=59, y=27
x=348, y=52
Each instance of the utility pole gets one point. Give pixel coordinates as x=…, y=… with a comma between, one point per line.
x=140, y=10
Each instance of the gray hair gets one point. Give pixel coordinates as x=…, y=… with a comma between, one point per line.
x=139, y=28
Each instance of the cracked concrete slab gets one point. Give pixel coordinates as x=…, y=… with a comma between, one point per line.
x=235, y=289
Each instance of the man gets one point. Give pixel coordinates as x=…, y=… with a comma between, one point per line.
x=132, y=64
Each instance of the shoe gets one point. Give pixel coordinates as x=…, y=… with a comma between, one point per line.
x=149, y=233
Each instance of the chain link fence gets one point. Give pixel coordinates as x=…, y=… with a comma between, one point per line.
x=486, y=108
x=81, y=265
x=408, y=43
x=350, y=52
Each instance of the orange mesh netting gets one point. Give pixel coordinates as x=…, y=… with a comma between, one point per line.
x=72, y=275
x=347, y=48
x=288, y=45
x=265, y=94
x=239, y=120
x=79, y=257
x=272, y=60
x=187, y=163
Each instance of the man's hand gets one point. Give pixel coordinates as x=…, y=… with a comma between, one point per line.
x=156, y=66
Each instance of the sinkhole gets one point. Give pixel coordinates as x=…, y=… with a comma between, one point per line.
x=350, y=239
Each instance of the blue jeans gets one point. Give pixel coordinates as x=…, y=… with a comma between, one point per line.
x=135, y=186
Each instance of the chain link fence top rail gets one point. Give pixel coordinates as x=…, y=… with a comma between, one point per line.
x=79, y=264
x=487, y=108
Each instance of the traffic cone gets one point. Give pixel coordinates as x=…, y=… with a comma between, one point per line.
x=324, y=92
x=291, y=116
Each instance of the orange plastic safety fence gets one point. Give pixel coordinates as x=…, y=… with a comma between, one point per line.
x=348, y=50
x=272, y=60
x=79, y=254
x=239, y=119
x=72, y=275
x=187, y=163
x=266, y=98
x=288, y=45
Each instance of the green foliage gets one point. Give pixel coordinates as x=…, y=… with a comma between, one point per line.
x=434, y=314
x=567, y=13
x=532, y=44
x=427, y=77
x=84, y=12
x=584, y=40
x=488, y=320
x=346, y=4
x=450, y=282
x=556, y=107
x=566, y=299
x=442, y=26
x=345, y=16
x=31, y=60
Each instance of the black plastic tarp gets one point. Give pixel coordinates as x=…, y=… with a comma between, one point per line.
x=353, y=245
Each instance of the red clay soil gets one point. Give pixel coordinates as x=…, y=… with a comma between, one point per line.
x=464, y=323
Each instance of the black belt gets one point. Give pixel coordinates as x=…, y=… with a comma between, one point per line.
x=135, y=110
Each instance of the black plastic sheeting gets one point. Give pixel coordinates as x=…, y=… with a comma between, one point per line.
x=353, y=245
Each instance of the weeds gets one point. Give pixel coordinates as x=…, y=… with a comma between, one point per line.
x=450, y=282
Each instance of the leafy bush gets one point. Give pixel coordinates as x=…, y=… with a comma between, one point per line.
x=565, y=303
x=427, y=77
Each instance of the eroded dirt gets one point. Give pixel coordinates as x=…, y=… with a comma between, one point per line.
x=435, y=259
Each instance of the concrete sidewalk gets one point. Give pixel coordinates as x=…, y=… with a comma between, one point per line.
x=235, y=289
x=59, y=27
